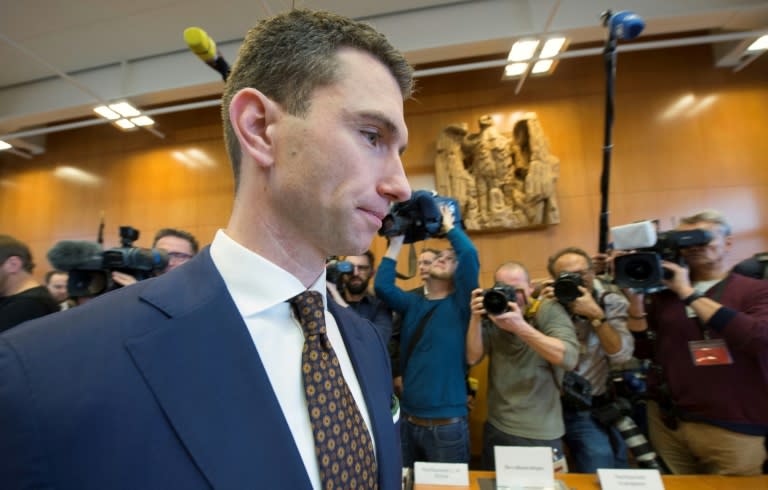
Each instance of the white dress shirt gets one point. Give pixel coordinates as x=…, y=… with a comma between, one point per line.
x=261, y=291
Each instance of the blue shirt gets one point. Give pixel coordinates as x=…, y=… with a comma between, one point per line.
x=434, y=383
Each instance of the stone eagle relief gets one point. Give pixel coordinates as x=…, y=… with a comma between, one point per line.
x=501, y=181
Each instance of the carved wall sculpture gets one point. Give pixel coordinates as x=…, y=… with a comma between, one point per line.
x=501, y=181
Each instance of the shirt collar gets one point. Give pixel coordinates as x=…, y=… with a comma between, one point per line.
x=255, y=283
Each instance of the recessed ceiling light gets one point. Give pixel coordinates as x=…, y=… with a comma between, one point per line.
x=125, y=124
x=760, y=44
x=143, y=121
x=106, y=112
x=125, y=109
x=523, y=50
x=552, y=47
x=541, y=66
x=515, y=69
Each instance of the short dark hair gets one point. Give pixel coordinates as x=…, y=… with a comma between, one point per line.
x=10, y=247
x=288, y=56
x=51, y=273
x=369, y=254
x=566, y=251
x=184, y=235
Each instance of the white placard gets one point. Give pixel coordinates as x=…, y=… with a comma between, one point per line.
x=630, y=479
x=524, y=467
x=451, y=474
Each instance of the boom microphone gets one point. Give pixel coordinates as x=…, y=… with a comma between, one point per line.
x=623, y=25
x=68, y=255
x=205, y=48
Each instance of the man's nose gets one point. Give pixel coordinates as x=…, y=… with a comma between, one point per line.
x=395, y=185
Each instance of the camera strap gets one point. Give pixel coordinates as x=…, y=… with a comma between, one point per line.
x=411, y=264
x=417, y=336
x=717, y=292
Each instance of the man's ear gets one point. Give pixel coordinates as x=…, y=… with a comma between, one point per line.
x=252, y=114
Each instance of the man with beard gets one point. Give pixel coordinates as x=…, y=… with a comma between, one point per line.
x=708, y=411
x=354, y=294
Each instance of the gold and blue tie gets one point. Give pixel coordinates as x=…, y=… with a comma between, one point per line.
x=343, y=445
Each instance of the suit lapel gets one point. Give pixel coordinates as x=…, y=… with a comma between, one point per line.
x=206, y=374
x=372, y=374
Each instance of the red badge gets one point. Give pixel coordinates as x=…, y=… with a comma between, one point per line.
x=713, y=352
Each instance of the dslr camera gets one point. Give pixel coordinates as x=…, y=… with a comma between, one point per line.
x=495, y=299
x=418, y=218
x=335, y=268
x=90, y=268
x=566, y=287
x=642, y=269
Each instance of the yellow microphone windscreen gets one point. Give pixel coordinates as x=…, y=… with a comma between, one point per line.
x=200, y=43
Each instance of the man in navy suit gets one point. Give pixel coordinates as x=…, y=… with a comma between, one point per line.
x=192, y=380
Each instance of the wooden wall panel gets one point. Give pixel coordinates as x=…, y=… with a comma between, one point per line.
x=711, y=154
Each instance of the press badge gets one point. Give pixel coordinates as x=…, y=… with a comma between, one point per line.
x=711, y=352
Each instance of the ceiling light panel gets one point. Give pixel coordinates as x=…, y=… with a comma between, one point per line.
x=759, y=45
x=125, y=124
x=541, y=67
x=515, y=69
x=552, y=47
x=106, y=112
x=125, y=109
x=523, y=50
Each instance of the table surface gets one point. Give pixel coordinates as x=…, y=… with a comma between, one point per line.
x=577, y=481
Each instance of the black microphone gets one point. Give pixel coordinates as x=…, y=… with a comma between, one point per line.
x=68, y=255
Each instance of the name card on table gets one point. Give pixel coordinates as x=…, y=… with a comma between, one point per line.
x=630, y=479
x=451, y=474
x=524, y=467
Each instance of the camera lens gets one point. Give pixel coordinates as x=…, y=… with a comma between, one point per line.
x=495, y=302
x=639, y=270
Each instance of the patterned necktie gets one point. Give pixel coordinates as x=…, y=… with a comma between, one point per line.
x=343, y=446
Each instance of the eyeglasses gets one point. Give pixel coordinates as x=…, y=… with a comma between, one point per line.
x=178, y=256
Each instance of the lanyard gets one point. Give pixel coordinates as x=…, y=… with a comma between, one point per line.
x=717, y=292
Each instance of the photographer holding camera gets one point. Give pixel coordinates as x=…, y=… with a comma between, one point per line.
x=351, y=291
x=530, y=344
x=599, y=316
x=434, y=397
x=180, y=245
x=707, y=335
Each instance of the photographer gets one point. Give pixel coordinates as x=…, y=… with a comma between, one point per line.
x=434, y=397
x=22, y=298
x=599, y=316
x=708, y=338
x=180, y=245
x=352, y=292
x=530, y=345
